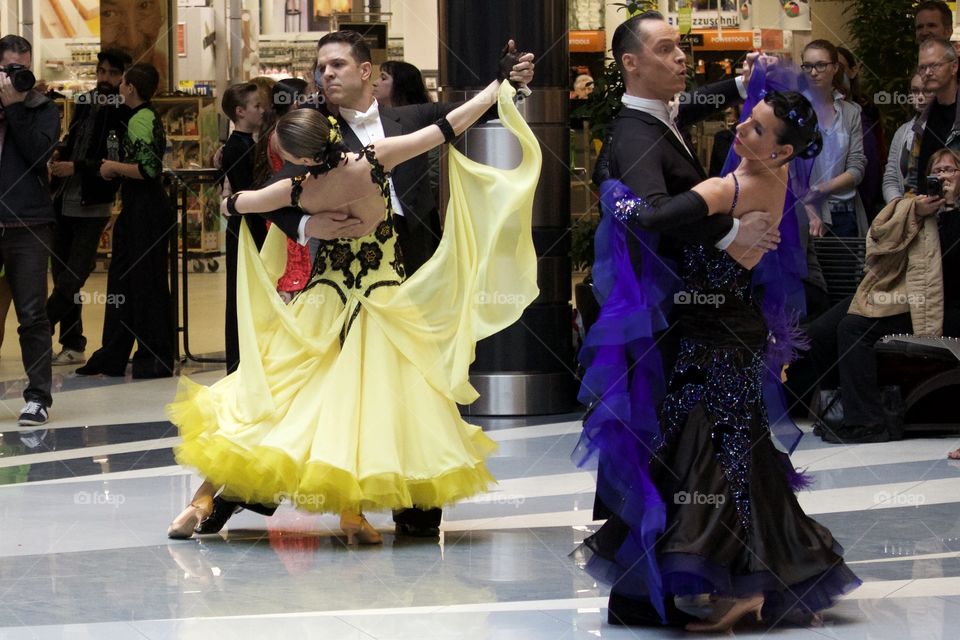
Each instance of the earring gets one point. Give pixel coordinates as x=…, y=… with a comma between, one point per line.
x=773, y=155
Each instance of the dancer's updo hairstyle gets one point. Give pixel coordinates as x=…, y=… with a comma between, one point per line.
x=307, y=133
x=799, y=123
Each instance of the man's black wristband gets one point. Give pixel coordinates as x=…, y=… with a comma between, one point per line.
x=446, y=129
x=232, y=204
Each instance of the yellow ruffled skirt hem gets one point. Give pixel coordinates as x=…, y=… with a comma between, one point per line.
x=268, y=475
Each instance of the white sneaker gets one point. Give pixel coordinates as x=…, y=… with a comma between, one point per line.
x=33, y=414
x=69, y=356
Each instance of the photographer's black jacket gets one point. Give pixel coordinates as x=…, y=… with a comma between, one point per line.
x=33, y=128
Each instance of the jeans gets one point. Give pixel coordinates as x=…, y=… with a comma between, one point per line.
x=25, y=252
x=75, y=242
x=844, y=219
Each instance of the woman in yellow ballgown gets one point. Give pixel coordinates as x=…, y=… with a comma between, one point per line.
x=346, y=399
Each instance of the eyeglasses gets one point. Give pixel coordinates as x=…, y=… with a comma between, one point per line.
x=945, y=171
x=819, y=66
x=933, y=67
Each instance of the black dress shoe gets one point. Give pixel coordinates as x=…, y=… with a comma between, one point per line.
x=92, y=370
x=416, y=531
x=222, y=511
x=856, y=434
x=623, y=611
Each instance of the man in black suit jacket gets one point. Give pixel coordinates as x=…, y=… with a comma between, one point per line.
x=645, y=151
x=345, y=69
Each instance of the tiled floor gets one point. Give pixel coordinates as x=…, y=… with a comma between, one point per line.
x=85, y=505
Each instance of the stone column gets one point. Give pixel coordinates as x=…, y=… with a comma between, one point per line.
x=526, y=369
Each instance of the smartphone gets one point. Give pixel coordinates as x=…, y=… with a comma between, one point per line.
x=934, y=187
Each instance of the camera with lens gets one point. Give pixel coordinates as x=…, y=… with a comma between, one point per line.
x=20, y=76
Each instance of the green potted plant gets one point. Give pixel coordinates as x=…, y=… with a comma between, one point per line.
x=883, y=40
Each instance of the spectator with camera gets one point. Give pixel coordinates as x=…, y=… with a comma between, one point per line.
x=938, y=126
x=911, y=285
x=29, y=130
x=84, y=200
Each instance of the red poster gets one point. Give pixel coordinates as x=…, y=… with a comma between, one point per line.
x=182, y=39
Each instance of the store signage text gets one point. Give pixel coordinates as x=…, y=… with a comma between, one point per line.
x=708, y=19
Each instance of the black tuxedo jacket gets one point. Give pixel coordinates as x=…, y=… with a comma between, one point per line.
x=646, y=156
x=643, y=153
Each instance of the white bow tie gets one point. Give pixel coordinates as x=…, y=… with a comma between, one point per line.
x=354, y=117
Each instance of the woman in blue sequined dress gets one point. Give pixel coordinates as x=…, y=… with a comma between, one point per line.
x=705, y=520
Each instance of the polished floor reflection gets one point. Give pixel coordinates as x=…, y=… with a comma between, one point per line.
x=86, y=502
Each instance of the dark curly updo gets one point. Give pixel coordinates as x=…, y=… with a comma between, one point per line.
x=799, y=123
x=307, y=133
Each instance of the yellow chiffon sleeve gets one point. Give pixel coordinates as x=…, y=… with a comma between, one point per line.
x=484, y=273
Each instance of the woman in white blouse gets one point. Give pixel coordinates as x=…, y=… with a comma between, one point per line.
x=832, y=204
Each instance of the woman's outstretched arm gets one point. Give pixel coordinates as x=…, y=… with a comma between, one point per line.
x=397, y=149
